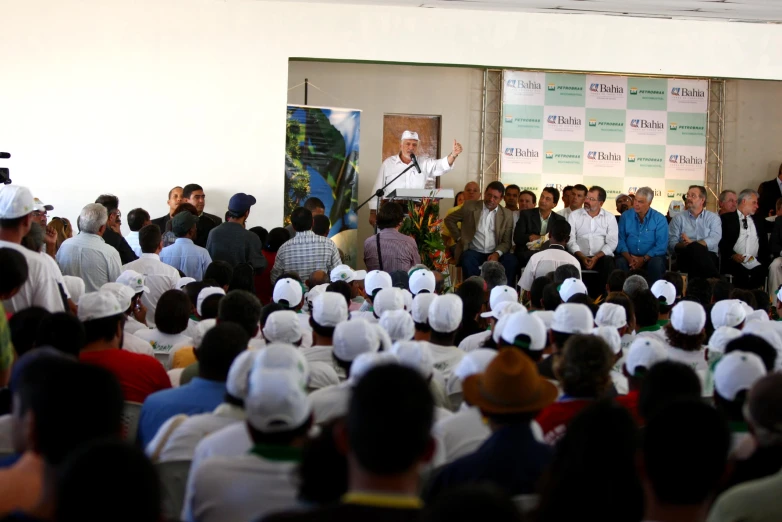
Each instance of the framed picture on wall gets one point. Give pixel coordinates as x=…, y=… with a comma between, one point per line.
x=428, y=128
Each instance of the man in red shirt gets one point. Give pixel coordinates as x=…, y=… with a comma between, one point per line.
x=103, y=319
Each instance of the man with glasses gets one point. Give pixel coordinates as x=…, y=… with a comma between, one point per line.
x=194, y=194
x=744, y=245
x=40, y=216
x=112, y=235
x=694, y=236
x=594, y=236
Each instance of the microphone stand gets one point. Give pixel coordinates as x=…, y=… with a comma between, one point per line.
x=379, y=193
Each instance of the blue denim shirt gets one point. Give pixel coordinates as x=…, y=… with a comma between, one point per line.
x=188, y=257
x=706, y=227
x=649, y=238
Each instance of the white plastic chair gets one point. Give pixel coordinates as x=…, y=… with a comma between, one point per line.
x=130, y=417
x=173, y=483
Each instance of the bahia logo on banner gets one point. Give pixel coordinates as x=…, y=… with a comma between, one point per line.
x=553, y=119
x=684, y=92
x=609, y=157
x=633, y=190
x=522, y=85
x=513, y=152
x=682, y=159
x=606, y=88
x=647, y=124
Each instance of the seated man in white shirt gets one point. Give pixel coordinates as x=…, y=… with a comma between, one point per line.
x=548, y=260
x=594, y=236
x=576, y=201
x=250, y=486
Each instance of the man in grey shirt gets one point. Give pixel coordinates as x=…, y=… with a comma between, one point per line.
x=230, y=242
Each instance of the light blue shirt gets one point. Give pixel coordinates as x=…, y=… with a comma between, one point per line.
x=89, y=257
x=706, y=227
x=188, y=257
x=642, y=239
x=132, y=239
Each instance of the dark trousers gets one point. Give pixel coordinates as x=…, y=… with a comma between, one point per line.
x=695, y=260
x=655, y=267
x=596, y=283
x=471, y=262
x=743, y=278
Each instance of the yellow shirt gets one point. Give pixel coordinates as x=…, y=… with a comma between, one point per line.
x=183, y=358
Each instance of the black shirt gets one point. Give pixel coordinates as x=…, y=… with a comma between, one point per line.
x=126, y=253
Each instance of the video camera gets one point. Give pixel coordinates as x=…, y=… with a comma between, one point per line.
x=5, y=175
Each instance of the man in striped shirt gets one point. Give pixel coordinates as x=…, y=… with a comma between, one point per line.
x=306, y=252
x=389, y=250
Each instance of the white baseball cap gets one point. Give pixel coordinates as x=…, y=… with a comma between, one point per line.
x=347, y=274
x=98, y=305
x=124, y=294
x=573, y=318
x=310, y=296
x=134, y=280
x=420, y=310
x=410, y=135
x=666, y=290
x=421, y=279
x=524, y=323
x=611, y=314
x=570, y=287
x=415, y=355
x=759, y=316
x=502, y=293
x=676, y=207
x=15, y=201
x=283, y=326
x=547, y=316
x=398, y=324
x=644, y=352
x=276, y=401
x=728, y=312
x=385, y=339
x=748, y=309
x=407, y=297
x=737, y=371
x=206, y=292
x=352, y=338
x=445, y=313
x=376, y=280
x=474, y=362
x=688, y=318
x=238, y=380
x=40, y=205
x=769, y=333
x=288, y=290
x=329, y=309
x=610, y=336
x=75, y=287
x=721, y=337
x=282, y=356
x=368, y=360
x=183, y=281
x=388, y=299
x=504, y=308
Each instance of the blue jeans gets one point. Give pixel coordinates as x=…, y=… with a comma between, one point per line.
x=655, y=267
x=471, y=262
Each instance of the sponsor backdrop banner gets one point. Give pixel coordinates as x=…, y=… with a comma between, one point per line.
x=618, y=132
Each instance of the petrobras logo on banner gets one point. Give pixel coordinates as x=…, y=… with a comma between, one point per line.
x=633, y=91
x=673, y=126
x=549, y=154
x=552, y=86
x=508, y=118
x=592, y=122
x=563, y=157
x=631, y=158
x=688, y=129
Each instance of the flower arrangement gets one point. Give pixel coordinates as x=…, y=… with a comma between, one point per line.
x=424, y=225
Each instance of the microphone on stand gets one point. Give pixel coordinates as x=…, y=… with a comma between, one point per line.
x=415, y=162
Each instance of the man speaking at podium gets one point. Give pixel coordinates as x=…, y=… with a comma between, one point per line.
x=392, y=166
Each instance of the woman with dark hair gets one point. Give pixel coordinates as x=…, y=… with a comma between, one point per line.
x=263, y=284
x=593, y=475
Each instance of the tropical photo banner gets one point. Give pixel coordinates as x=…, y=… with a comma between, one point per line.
x=321, y=160
x=618, y=132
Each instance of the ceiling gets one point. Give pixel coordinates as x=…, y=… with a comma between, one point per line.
x=747, y=11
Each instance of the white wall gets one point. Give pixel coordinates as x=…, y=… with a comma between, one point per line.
x=134, y=97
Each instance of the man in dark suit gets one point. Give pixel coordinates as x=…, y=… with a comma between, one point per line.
x=174, y=197
x=194, y=194
x=485, y=234
x=769, y=191
x=112, y=234
x=744, y=245
x=534, y=223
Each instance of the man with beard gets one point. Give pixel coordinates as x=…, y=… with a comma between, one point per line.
x=694, y=236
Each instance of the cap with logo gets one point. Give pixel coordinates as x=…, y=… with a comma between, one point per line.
x=445, y=313
x=283, y=326
x=276, y=401
x=134, y=280
x=664, y=290
x=347, y=274
x=526, y=324
x=410, y=135
x=376, y=280
x=611, y=336
x=421, y=279
x=183, y=282
x=238, y=379
x=124, y=294
x=98, y=305
x=39, y=205
x=474, y=362
x=737, y=371
x=570, y=287
x=329, y=309
x=388, y=299
x=504, y=308
x=240, y=203
x=288, y=290
x=420, y=310
x=573, y=318
x=415, y=355
x=398, y=324
x=206, y=292
x=727, y=312
x=282, y=356
x=182, y=223
x=688, y=318
x=644, y=352
x=611, y=314
x=352, y=338
x=501, y=294
x=15, y=201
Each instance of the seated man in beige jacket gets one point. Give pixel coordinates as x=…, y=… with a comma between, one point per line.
x=485, y=235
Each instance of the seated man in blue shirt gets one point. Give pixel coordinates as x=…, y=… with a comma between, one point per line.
x=184, y=255
x=204, y=393
x=643, y=237
x=694, y=235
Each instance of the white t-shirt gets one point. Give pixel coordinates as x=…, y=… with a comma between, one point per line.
x=192, y=328
x=158, y=277
x=544, y=262
x=306, y=330
x=133, y=326
x=41, y=288
x=133, y=343
x=446, y=358
x=164, y=344
x=461, y=433
x=695, y=360
x=330, y=402
x=474, y=341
